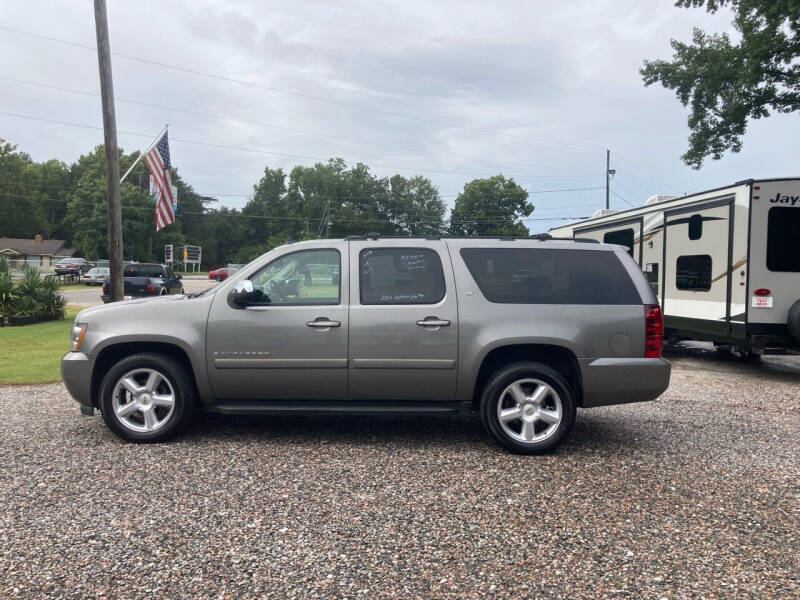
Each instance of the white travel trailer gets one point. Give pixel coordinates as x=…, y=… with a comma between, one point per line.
x=724, y=263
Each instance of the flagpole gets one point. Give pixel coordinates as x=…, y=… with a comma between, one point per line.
x=141, y=156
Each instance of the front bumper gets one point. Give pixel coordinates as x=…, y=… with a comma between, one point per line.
x=622, y=380
x=76, y=371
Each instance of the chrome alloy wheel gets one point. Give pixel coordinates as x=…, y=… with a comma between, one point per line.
x=143, y=400
x=529, y=410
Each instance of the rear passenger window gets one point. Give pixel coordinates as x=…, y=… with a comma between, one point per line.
x=623, y=237
x=401, y=276
x=540, y=276
x=693, y=272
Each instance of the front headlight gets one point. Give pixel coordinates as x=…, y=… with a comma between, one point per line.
x=78, y=331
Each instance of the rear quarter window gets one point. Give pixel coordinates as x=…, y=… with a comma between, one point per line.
x=542, y=276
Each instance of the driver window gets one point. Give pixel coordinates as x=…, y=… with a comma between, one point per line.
x=304, y=277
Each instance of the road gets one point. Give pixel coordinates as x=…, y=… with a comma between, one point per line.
x=694, y=495
x=91, y=294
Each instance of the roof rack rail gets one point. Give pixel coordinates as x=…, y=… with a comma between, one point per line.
x=542, y=237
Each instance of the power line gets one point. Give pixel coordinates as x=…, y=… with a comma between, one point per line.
x=281, y=154
x=626, y=189
x=630, y=172
x=269, y=125
x=249, y=194
x=267, y=217
x=318, y=196
x=300, y=94
x=623, y=199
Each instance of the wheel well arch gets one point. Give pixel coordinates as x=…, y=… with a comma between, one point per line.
x=114, y=353
x=558, y=357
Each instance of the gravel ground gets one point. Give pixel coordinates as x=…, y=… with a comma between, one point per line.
x=91, y=294
x=695, y=495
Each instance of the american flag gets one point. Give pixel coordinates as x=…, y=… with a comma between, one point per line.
x=157, y=161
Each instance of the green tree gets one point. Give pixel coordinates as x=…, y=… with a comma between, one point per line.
x=87, y=211
x=415, y=207
x=728, y=83
x=21, y=212
x=492, y=206
x=268, y=216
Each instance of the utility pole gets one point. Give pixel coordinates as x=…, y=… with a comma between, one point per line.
x=116, y=290
x=608, y=174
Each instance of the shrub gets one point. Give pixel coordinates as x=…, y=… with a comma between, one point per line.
x=32, y=298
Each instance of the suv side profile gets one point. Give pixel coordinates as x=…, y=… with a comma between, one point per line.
x=522, y=331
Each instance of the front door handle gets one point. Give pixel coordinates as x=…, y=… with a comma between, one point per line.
x=433, y=322
x=323, y=323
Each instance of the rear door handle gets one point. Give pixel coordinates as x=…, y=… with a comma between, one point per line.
x=323, y=323
x=433, y=322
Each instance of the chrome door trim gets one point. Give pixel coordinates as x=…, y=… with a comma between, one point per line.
x=280, y=363
x=402, y=363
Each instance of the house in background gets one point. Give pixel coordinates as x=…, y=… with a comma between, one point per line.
x=36, y=252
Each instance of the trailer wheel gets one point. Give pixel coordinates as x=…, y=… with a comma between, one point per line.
x=794, y=320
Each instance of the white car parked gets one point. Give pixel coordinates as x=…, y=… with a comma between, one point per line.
x=96, y=275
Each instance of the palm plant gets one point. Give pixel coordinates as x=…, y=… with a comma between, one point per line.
x=32, y=296
x=26, y=306
x=7, y=293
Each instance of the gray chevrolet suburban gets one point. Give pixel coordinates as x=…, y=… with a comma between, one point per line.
x=520, y=330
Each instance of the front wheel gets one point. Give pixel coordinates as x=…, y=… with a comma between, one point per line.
x=528, y=408
x=147, y=397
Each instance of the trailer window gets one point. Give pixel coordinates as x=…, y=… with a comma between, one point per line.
x=783, y=239
x=695, y=227
x=623, y=237
x=693, y=272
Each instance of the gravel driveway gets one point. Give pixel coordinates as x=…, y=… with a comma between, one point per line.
x=695, y=495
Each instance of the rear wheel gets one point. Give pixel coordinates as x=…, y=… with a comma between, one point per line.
x=147, y=397
x=528, y=407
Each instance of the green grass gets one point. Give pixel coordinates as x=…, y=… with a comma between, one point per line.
x=32, y=353
x=77, y=286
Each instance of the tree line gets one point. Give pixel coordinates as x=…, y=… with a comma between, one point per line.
x=330, y=199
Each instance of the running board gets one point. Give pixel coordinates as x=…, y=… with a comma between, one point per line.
x=337, y=407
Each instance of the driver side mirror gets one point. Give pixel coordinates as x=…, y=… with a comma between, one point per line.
x=243, y=294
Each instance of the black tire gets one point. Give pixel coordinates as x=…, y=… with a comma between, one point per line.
x=793, y=321
x=185, y=396
x=504, y=377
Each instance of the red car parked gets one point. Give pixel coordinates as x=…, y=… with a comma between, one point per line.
x=220, y=274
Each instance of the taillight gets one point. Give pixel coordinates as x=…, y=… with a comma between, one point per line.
x=762, y=292
x=105, y=288
x=653, y=330
x=149, y=288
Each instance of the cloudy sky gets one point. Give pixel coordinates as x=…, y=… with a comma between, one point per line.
x=449, y=90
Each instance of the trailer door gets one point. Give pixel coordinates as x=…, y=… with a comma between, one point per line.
x=697, y=260
x=774, y=257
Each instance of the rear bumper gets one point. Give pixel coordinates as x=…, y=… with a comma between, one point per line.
x=622, y=380
x=76, y=371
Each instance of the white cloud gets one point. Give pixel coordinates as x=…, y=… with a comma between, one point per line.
x=555, y=71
